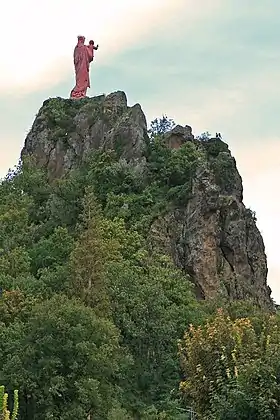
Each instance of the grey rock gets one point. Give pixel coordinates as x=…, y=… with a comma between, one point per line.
x=178, y=136
x=65, y=131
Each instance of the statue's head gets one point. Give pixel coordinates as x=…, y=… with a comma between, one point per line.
x=81, y=39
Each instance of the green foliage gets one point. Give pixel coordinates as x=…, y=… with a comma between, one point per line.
x=119, y=413
x=214, y=146
x=138, y=210
x=173, y=170
x=94, y=248
x=51, y=251
x=91, y=315
x=149, y=326
x=224, y=169
x=160, y=126
x=59, y=113
x=251, y=214
x=59, y=116
x=109, y=175
x=75, y=237
x=15, y=305
x=231, y=367
x=172, y=167
x=140, y=193
x=15, y=262
x=68, y=358
x=204, y=136
x=64, y=204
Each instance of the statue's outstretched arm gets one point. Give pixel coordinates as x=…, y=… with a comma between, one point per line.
x=91, y=43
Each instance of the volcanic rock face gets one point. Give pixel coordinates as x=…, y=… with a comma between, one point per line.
x=66, y=130
x=213, y=238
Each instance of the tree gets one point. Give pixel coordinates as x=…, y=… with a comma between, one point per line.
x=160, y=126
x=231, y=369
x=15, y=305
x=91, y=315
x=151, y=305
x=92, y=251
x=51, y=251
x=66, y=361
x=204, y=136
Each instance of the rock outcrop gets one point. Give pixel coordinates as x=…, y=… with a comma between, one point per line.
x=66, y=130
x=178, y=136
x=213, y=238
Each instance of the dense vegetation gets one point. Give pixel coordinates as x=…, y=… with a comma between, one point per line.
x=91, y=317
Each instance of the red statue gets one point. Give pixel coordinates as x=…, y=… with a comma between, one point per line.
x=83, y=55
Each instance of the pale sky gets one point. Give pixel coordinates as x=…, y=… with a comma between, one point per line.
x=211, y=64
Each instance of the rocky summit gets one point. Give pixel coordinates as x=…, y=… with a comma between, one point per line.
x=66, y=130
x=209, y=234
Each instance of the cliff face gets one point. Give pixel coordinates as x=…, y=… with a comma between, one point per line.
x=212, y=237
x=215, y=238
x=65, y=131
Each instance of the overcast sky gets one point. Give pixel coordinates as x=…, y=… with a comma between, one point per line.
x=211, y=64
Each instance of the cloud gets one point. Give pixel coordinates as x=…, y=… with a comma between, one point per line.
x=259, y=157
x=39, y=53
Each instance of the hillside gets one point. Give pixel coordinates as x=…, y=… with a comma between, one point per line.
x=132, y=277
x=185, y=192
